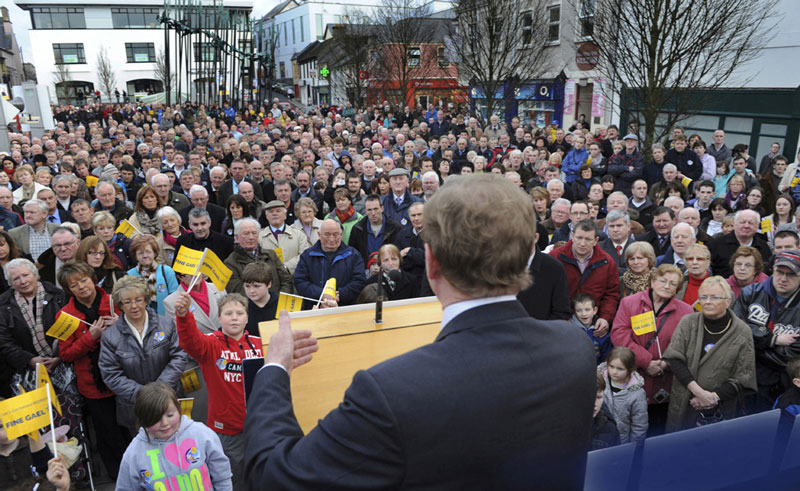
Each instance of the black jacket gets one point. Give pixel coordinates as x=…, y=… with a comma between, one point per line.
x=414, y=262
x=687, y=162
x=608, y=245
x=222, y=245
x=722, y=248
x=651, y=237
x=226, y=191
x=404, y=286
x=358, y=235
x=548, y=297
x=120, y=211
x=16, y=344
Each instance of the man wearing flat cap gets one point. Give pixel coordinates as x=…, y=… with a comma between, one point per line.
x=276, y=235
x=771, y=310
x=627, y=166
x=396, y=203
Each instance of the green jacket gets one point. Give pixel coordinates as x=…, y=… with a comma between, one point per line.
x=346, y=226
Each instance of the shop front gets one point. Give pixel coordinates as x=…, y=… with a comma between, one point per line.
x=535, y=103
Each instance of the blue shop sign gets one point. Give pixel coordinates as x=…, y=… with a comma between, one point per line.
x=532, y=92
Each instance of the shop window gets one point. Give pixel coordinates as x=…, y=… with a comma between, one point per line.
x=414, y=56
x=69, y=53
x=553, y=24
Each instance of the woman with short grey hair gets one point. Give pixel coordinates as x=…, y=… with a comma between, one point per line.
x=171, y=229
x=141, y=347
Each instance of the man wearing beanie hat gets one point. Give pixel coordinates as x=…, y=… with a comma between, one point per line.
x=771, y=310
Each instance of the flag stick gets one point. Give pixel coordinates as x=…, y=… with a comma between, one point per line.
x=197, y=273
x=659, y=346
x=52, y=424
x=297, y=296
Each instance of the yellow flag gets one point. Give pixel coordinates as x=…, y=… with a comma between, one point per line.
x=686, y=181
x=33, y=435
x=766, y=225
x=643, y=323
x=187, y=261
x=91, y=181
x=25, y=413
x=279, y=253
x=186, y=406
x=330, y=288
x=190, y=381
x=289, y=303
x=125, y=228
x=42, y=379
x=64, y=326
x=215, y=269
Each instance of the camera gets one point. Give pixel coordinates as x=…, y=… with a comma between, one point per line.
x=661, y=396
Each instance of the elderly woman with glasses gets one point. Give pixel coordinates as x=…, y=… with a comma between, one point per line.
x=660, y=305
x=748, y=268
x=712, y=357
x=141, y=347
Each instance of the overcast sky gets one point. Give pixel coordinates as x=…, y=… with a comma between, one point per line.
x=21, y=21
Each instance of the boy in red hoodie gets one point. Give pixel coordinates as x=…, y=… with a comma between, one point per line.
x=220, y=355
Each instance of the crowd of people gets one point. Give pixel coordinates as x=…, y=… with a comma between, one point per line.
x=692, y=235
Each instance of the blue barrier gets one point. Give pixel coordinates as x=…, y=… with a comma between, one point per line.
x=741, y=453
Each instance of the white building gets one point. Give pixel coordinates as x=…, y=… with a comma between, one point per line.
x=71, y=33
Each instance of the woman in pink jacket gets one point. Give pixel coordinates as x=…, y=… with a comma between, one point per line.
x=648, y=346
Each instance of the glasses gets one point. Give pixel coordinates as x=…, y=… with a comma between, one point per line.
x=137, y=301
x=713, y=298
x=64, y=245
x=96, y=253
x=789, y=274
x=664, y=282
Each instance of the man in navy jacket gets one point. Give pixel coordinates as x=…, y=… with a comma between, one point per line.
x=498, y=401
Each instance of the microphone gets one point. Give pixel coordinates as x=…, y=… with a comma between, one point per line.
x=392, y=277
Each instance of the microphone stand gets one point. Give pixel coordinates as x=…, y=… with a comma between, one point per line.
x=379, y=301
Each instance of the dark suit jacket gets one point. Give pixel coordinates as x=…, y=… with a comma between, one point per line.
x=490, y=418
x=608, y=246
x=217, y=214
x=226, y=191
x=548, y=297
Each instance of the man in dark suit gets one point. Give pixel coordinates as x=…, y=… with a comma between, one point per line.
x=477, y=408
x=199, y=198
x=548, y=296
x=231, y=186
x=658, y=237
x=618, y=225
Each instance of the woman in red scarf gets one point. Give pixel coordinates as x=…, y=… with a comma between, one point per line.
x=171, y=229
x=344, y=213
x=698, y=260
x=748, y=267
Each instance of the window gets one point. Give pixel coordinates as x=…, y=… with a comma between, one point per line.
x=140, y=52
x=441, y=55
x=527, y=28
x=69, y=54
x=58, y=18
x=135, y=18
x=285, y=34
x=414, y=56
x=205, y=52
x=319, y=26
x=283, y=70
x=553, y=23
x=302, y=30
x=586, y=18
x=294, y=39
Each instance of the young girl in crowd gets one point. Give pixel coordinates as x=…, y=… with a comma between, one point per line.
x=220, y=355
x=171, y=451
x=624, y=394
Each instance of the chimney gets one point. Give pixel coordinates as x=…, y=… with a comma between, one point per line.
x=4, y=12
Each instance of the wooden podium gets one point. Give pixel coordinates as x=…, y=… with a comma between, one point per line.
x=349, y=341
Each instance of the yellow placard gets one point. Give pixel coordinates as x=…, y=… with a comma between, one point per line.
x=279, y=253
x=643, y=323
x=289, y=303
x=186, y=406
x=189, y=381
x=187, y=261
x=64, y=326
x=91, y=181
x=686, y=181
x=43, y=379
x=25, y=413
x=125, y=228
x=215, y=269
x=33, y=435
x=795, y=181
x=697, y=306
x=766, y=225
x=330, y=288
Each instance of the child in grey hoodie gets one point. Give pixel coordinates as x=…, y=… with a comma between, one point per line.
x=171, y=451
x=624, y=394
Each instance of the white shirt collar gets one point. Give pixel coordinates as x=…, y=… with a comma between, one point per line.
x=455, y=309
x=139, y=337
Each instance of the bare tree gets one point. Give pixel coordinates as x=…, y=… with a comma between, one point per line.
x=105, y=73
x=349, y=57
x=666, y=56
x=65, y=91
x=498, y=44
x=162, y=71
x=401, y=31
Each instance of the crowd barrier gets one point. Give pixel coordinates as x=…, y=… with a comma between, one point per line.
x=755, y=452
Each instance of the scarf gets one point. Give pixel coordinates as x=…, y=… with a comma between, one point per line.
x=35, y=324
x=147, y=224
x=149, y=275
x=636, y=283
x=692, y=289
x=169, y=239
x=90, y=315
x=343, y=217
x=200, y=297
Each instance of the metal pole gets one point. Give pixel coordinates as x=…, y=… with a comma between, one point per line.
x=167, y=69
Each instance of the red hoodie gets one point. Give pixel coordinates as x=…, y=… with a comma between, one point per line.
x=220, y=358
